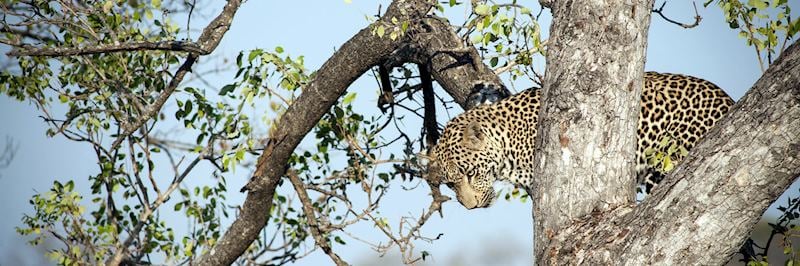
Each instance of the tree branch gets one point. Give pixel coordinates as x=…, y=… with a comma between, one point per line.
x=205, y=44
x=208, y=41
x=179, y=46
x=697, y=17
x=311, y=217
x=27, y=33
x=355, y=57
x=426, y=41
x=122, y=248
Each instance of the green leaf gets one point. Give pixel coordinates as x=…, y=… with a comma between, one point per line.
x=339, y=240
x=227, y=89
x=107, y=6
x=381, y=31
x=476, y=38
x=668, y=165
x=482, y=10
x=156, y=3
x=349, y=98
x=253, y=54
x=758, y=4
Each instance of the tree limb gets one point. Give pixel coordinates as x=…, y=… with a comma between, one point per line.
x=27, y=33
x=426, y=41
x=355, y=57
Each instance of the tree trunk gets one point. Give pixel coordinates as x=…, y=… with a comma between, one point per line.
x=585, y=151
x=702, y=212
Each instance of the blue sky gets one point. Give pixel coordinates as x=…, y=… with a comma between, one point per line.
x=314, y=29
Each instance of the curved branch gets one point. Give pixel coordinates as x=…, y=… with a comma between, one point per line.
x=428, y=40
x=356, y=56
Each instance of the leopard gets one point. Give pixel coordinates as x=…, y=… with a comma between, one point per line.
x=495, y=142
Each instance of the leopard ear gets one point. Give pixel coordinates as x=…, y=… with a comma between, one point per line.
x=473, y=137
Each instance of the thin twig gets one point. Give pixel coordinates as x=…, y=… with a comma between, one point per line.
x=697, y=17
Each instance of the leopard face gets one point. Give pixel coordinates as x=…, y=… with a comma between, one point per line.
x=488, y=143
x=496, y=141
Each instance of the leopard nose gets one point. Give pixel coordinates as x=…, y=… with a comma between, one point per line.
x=468, y=201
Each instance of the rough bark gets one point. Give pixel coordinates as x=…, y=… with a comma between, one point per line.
x=456, y=67
x=703, y=211
x=586, y=145
x=453, y=65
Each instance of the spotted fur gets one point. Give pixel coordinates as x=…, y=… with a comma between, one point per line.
x=496, y=141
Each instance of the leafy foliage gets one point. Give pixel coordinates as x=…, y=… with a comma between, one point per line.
x=668, y=153
x=508, y=35
x=755, y=22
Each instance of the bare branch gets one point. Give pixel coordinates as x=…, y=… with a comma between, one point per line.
x=697, y=17
x=311, y=218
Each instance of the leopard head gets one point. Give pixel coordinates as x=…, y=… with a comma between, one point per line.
x=467, y=159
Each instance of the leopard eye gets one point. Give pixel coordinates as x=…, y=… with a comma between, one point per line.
x=470, y=174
